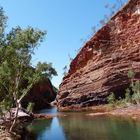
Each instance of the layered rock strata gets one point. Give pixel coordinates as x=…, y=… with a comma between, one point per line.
x=102, y=65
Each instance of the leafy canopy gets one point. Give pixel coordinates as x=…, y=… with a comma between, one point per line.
x=16, y=50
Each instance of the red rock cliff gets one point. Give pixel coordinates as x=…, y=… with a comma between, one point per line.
x=41, y=94
x=102, y=65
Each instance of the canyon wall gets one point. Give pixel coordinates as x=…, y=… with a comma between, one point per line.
x=102, y=65
x=41, y=94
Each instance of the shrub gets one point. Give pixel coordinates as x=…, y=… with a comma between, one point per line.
x=132, y=94
x=111, y=98
x=136, y=92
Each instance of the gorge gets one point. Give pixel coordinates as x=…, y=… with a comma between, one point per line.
x=98, y=77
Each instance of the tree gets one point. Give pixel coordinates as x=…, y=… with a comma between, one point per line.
x=16, y=50
x=113, y=8
x=131, y=75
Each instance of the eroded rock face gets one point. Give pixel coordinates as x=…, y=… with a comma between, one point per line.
x=41, y=95
x=102, y=65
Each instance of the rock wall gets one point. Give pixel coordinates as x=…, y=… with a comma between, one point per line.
x=102, y=65
x=41, y=94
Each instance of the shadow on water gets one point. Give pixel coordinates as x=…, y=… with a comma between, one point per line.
x=79, y=126
x=45, y=130
x=50, y=110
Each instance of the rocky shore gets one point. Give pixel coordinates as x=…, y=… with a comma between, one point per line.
x=23, y=120
x=132, y=112
x=5, y=135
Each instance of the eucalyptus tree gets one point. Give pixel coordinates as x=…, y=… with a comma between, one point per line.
x=16, y=50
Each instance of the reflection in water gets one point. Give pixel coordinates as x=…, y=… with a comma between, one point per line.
x=79, y=126
x=37, y=127
x=45, y=130
x=101, y=128
x=55, y=132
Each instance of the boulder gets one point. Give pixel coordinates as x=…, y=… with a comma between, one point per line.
x=42, y=94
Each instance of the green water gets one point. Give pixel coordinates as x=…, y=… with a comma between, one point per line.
x=80, y=126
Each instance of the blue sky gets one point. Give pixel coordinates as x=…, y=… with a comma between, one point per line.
x=68, y=24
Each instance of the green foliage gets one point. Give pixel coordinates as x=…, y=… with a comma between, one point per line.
x=132, y=94
x=30, y=107
x=16, y=50
x=127, y=95
x=111, y=98
x=135, y=86
x=136, y=92
x=113, y=102
x=45, y=70
x=130, y=74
